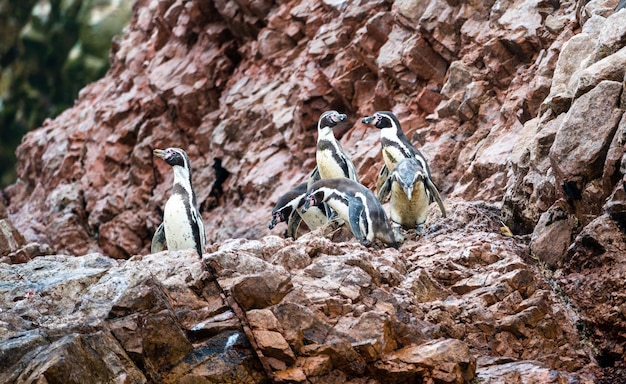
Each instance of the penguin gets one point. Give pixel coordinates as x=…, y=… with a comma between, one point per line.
x=356, y=205
x=395, y=147
x=288, y=209
x=411, y=192
x=182, y=226
x=332, y=160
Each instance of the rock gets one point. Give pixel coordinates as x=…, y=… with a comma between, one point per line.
x=552, y=236
x=449, y=360
x=577, y=161
x=261, y=291
x=10, y=239
x=487, y=93
x=127, y=320
x=501, y=371
x=565, y=78
x=272, y=344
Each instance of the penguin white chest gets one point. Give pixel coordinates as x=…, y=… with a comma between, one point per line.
x=178, y=228
x=327, y=164
x=314, y=217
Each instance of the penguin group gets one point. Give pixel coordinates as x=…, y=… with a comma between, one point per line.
x=333, y=188
x=332, y=191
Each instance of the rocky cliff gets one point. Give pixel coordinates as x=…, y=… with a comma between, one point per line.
x=517, y=105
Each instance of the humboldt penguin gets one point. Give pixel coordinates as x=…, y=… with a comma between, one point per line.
x=356, y=205
x=332, y=160
x=182, y=226
x=411, y=192
x=395, y=147
x=288, y=209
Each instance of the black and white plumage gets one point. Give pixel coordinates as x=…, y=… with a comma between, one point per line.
x=332, y=160
x=411, y=192
x=395, y=147
x=182, y=226
x=356, y=205
x=288, y=209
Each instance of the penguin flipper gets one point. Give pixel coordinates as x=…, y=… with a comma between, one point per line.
x=383, y=184
x=293, y=223
x=435, y=193
x=159, y=242
x=315, y=176
x=355, y=210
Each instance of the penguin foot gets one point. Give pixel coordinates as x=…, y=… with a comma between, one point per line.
x=365, y=243
x=419, y=229
x=397, y=234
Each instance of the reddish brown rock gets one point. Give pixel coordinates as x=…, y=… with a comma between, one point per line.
x=497, y=97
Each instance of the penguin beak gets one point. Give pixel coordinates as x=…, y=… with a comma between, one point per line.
x=159, y=153
x=276, y=218
x=367, y=120
x=408, y=189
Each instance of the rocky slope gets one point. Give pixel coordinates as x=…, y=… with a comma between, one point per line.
x=517, y=105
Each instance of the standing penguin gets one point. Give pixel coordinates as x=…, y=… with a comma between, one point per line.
x=288, y=209
x=356, y=205
x=411, y=192
x=182, y=226
x=332, y=160
x=395, y=147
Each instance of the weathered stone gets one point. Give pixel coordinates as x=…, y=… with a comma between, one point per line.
x=450, y=360
x=608, y=68
x=552, y=236
x=272, y=344
x=10, y=239
x=575, y=51
x=577, y=154
x=505, y=371
x=261, y=291
x=241, y=85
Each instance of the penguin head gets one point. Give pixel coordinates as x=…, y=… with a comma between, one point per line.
x=331, y=118
x=280, y=215
x=408, y=172
x=173, y=156
x=382, y=120
x=315, y=197
x=179, y=160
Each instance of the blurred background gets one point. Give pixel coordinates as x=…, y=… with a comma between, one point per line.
x=49, y=50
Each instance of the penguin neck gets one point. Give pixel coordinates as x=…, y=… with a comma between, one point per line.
x=325, y=133
x=182, y=177
x=391, y=133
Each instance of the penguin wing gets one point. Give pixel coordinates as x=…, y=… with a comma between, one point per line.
x=315, y=176
x=158, y=240
x=355, y=210
x=198, y=231
x=435, y=193
x=352, y=173
x=383, y=184
x=293, y=223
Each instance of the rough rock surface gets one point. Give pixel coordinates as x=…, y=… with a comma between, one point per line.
x=336, y=312
x=518, y=106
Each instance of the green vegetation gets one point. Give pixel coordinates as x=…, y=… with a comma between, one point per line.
x=49, y=50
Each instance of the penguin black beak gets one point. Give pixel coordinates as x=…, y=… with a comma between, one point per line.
x=367, y=120
x=307, y=204
x=276, y=218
